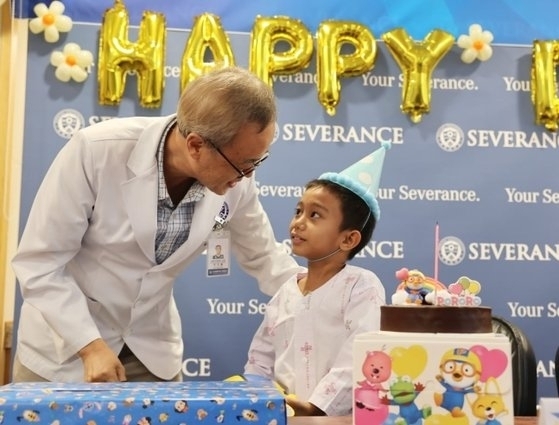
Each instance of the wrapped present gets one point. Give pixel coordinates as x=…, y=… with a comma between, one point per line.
x=549, y=411
x=432, y=379
x=127, y=403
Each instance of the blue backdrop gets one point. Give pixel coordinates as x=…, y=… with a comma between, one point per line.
x=477, y=164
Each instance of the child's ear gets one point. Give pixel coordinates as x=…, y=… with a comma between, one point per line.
x=350, y=240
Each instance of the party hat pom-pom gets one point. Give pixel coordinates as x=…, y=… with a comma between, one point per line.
x=386, y=144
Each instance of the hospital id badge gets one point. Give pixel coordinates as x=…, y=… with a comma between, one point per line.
x=218, y=254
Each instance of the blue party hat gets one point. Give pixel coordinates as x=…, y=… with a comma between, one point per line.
x=363, y=177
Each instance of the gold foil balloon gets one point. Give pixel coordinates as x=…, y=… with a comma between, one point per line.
x=332, y=64
x=543, y=85
x=266, y=34
x=207, y=35
x=119, y=57
x=417, y=60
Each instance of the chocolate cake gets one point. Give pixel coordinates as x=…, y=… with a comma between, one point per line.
x=435, y=319
x=422, y=304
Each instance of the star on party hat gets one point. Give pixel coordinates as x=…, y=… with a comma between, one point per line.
x=363, y=177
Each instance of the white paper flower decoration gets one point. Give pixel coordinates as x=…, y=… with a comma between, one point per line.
x=72, y=62
x=50, y=20
x=476, y=45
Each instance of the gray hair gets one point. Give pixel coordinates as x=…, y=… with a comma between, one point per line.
x=217, y=104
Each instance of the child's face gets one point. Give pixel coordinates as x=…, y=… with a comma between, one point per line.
x=315, y=226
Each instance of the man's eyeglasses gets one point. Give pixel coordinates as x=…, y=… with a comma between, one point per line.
x=244, y=172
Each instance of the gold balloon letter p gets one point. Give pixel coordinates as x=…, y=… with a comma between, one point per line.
x=543, y=85
x=332, y=64
x=118, y=56
x=417, y=61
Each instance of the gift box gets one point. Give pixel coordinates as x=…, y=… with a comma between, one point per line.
x=176, y=403
x=549, y=411
x=432, y=379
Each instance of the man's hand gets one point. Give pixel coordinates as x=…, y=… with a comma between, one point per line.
x=100, y=363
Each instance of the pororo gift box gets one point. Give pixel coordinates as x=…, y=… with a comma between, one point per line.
x=432, y=379
x=173, y=403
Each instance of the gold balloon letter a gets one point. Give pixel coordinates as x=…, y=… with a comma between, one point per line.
x=207, y=35
x=118, y=56
x=543, y=85
x=417, y=61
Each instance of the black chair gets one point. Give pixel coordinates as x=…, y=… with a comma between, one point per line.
x=523, y=362
x=557, y=369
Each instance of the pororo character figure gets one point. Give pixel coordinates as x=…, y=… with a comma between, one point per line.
x=414, y=285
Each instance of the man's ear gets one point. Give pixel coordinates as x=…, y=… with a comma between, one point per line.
x=351, y=240
x=194, y=144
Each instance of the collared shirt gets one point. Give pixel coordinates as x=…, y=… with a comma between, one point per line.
x=173, y=221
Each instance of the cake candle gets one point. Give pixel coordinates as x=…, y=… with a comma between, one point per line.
x=436, y=271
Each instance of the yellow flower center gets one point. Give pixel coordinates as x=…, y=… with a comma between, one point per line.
x=71, y=60
x=478, y=45
x=48, y=19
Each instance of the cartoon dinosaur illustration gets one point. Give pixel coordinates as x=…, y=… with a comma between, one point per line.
x=404, y=392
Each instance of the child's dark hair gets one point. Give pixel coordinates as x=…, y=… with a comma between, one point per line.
x=355, y=212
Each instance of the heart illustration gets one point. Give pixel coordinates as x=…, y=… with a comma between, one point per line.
x=402, y=274
x=409, y=361
x=493, y=362
x=455, y=288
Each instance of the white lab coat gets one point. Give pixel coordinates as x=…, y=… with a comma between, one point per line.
x=86, y=260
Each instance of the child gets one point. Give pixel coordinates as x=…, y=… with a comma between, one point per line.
x=305, y=340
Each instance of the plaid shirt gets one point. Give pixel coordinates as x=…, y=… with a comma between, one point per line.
x=173, y=221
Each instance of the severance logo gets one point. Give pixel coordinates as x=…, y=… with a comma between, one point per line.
x=513, y=252
x=452, y=251
x=450, y=137
x=511, y=139
x=325, y=133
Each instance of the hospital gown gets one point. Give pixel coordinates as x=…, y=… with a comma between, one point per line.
x=305, y=341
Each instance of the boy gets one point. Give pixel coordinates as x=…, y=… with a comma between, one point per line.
x=305, y=341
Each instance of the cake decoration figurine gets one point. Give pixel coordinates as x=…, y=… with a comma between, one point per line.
x=414, y=285
x=417, y=289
